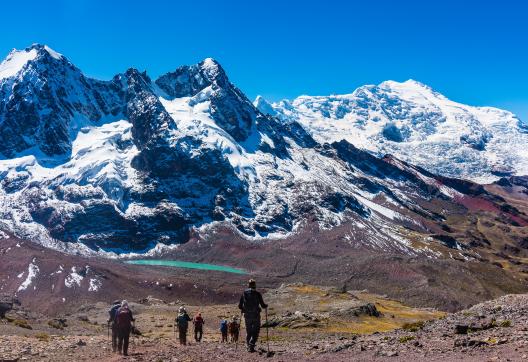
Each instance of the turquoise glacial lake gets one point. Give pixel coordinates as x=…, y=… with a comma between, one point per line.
x=186, y=265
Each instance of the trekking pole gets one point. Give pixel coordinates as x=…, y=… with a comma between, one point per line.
x=239, y=331
x=133, y=334
x=267, y=330
x=108, y=330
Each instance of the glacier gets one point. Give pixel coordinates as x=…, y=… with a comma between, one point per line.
x=417, y=124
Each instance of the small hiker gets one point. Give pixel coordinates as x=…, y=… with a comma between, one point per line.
x=182, y=321
x=124, y=321
x=112, y=323
x=223, y=330
x=250, y=304
x=198, y=322
x=234, y=329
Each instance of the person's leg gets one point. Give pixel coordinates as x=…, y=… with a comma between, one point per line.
x=114, y=338
x=180, y=335
x=126, y=338
x=200, y=334
x=256, y=331
x=248, y=331
x=119, y=341
x=252, y=337
x=255, y=327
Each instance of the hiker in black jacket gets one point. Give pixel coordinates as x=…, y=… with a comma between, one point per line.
x=124, y=321
x=250, y=304
x=182, y=321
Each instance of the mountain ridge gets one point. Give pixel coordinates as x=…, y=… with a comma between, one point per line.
x=131, y=164
x=411, y=120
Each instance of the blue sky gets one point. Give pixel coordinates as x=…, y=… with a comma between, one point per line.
x=474, y=52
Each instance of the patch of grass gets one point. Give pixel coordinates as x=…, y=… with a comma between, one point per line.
x=365, y=325
x=309, y=289
x=413, y=327
x=405, y=339
x=506, y=323
x=55, y=324
x=43, y=337
x=22, y=323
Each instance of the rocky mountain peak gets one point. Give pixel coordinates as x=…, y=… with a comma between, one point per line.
x=189, y=80
x=35, y=59
x=264, y=106
x=44, y=50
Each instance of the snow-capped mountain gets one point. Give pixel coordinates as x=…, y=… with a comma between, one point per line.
x=413, y=122
x=125, y=164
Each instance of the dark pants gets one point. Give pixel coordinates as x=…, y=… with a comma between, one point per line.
x=114, y=337
x=234, y=335
x=123, y=335
x=182, y=333
x=198, y=332
x=252, y=330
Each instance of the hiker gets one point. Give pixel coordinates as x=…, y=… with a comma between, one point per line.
x=124, y=321
x=250, y=304
x=198, y=322
x=182, y=321
x=234, y=329
x=223, y=330
x=112, y=312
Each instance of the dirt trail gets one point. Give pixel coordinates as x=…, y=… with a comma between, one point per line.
x=310, y=323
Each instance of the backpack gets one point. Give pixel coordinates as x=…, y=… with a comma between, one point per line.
x=198, y=321
x=112, y=312
x=182, y=321
x=233, y=327
x=223, y=326
x=123, y=319
x=251, y=301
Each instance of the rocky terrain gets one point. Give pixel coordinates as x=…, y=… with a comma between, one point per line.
x=341, y=327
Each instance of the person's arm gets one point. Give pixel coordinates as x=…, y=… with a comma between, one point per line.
x=241, y=304
x=261, y=301
x=132, y=317
x=188, y=318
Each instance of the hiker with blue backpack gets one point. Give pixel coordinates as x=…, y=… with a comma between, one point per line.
x=112, y=324
x=223, y=329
